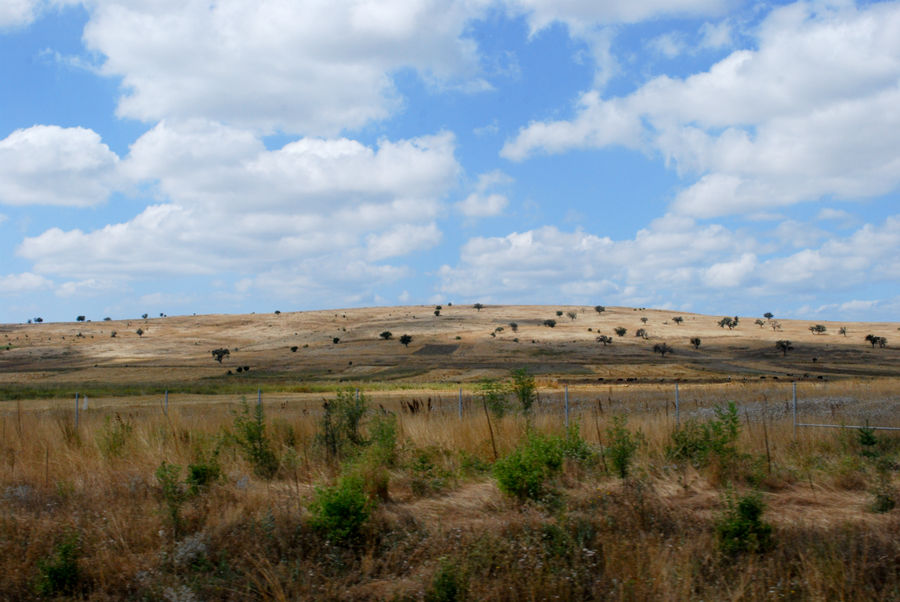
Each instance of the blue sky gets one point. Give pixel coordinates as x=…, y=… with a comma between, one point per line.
x=182, y=156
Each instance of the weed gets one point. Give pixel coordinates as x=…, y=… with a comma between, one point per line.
x=449, y=583
x=59, y=574
x=885, y=497
x=494, y=395
x=621, y=445
x=174, y=493
x=250, y=436
x=699, y=441
x=114, y=436
x=741, y=529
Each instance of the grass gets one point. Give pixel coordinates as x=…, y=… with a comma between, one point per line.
x=91, y=514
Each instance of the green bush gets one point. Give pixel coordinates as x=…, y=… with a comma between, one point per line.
x=59, y=575
x=339, y=429
x=524, y=388
x=340, y=512
x=621, y=445
x=699, y=441
x=449, y=583
x=250, y=436
x=203, y=472
x=575, y=447
x=174, y=493
x=741, y=529
x=383, y=438
x=525, y=471
x=494, y=395
x=114, y=436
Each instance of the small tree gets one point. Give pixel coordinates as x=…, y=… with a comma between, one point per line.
x=437, y=312
x=876, y=340
x=768, y=315
x=817, y=329
x=640, y=332
x=551, y=323
x=842, y=330
x=478, y=306
x=38, y=320
x=662, y=349
x=144, y=316
x=776, y=325
x=405, y=340
x=620, y=331
x=514, y=327
x=386, y=335
x=759, y=323
x=571, y=315
x=336, y=340
x=695, y=341
x=599, y=309
x=606, y=340
x=678, y=320
x=140, y=332
x=219, y=354
x=79, y=319
x=643, y=319
x=784, y=346
x=729, y=322
x=559, y=313
x=524, y=388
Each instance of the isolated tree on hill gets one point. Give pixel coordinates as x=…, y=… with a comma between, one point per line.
x=38, y=320
x=640, y=332
x=144, y=316
x=386, y=335
x=79, y=319
x=605, y=339
x=219, y=354
x=876, y=340
x=729, y=322
x=695, y=341
x=551, y=323
x=559, y=313
x=662, y=349
x=768, y=315
x=784, y=346
x=599, y=309
x=478, y=306
x=140, y=332
x=514, y=327
x=643, y=319
x=842, y=330
x=620, y=331
x=678, y=320
x=437, y=312
x=760, y=323
x=817, y=329
x=571, y=315
x=294, y=348
x=776, y=325
x=336, y=340
x=405, y=340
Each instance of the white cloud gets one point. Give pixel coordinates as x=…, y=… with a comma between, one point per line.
x=91, y=287
x=580, y=14
x=314, y=212
x=16, y=13
x=303, y=67
x=670, y=45
x=23, y=283
x=716, y=35
x=485, y=202
x=812, y=112
x=50, y=165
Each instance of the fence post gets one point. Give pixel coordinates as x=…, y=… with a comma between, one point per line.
x=76, y=410
x=460, y=403
x=677, y=409
x=795, y=407
x=567, y=406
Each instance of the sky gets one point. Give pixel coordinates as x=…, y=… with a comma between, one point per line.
x=236, y=156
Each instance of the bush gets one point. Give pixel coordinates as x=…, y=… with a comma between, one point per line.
x=114, y=436
x=740, y=528
x=620, y=331
x=524, y=388
x=250, y=436
x=494, y=395
x=551, y=323
x=59, y=574
x=524, y=473
x=174, y=494
x=340, y=512
x=621, y=445
x=449, y=583
x=341, y=421
x=699, y=441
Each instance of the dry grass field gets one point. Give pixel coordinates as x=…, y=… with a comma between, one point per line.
x=403, y=499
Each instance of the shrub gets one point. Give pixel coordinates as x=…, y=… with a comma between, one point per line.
x=678, y=320
x=605, y=339
x=621, y=445
x=203, y=472
x=494, y=395
x=740, y=528
x=250, y=436
x=341, y=420
x=386, y=335
x=884, y=495
x=449, y=583
x=523, y=473
x=514, y=326
x=220, y=353
x=620, y=331
x=571, y=315
x=140, y=332
x=699, y=441
x=114, y=436
x=662, y=349
x=641, y=332
x=405, y=340
x=524, y=388
x=550, y=322
x=695, y=342
x=173, y=493
x=59, y=575
x=599, y=309
x=340, y=512
x=559, y=313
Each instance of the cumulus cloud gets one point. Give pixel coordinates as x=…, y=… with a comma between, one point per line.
x=23, y=283
x=15, y=13
x=812, y=111
x=305, y=67
x=50, y=165
x=283, y=218
x=485, y=201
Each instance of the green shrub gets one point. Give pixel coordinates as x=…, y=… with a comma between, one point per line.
x=383, y=438
x=885, y=497
x=428, y=476
x=174, y=493
x=575, y=447
x=114, y=436
x=339, y=429
x=59, y=575
x=525, y=471
x=495, y=397
x=449, y=583
x=203, y=473
x=524, y=388
x=699, y=441
x=867, y=442
x=621, y=445
x=340, y=512
x=741, y=529
x=250, y=436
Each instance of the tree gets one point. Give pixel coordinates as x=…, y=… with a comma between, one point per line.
x=640, y=332
x=768, y=315
x=478, y=306
x=643, y=319
x=620, y=331
x=599, y=309
x=729, y=322
x=662, y=349
x=294, y=348
x=678, y=320
x=336, y=340
x=144, y=316
x=79, y=319
x=405, y=340
x=277, y=312
x=876, y=340
x=784, y=346
x=759, y=323
x=219, y=354
x=386, y=335
x=107, y=319
x=514, y=327
x=551, y=323
x=38, y=320
x=571, y=315
x=437, y=312
x=559, y=313
x=776, y=325
x=817, y=329
x=695, y=341
x=842, y=330
x=524, y=388
x=140, y=332
x=606, y=340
